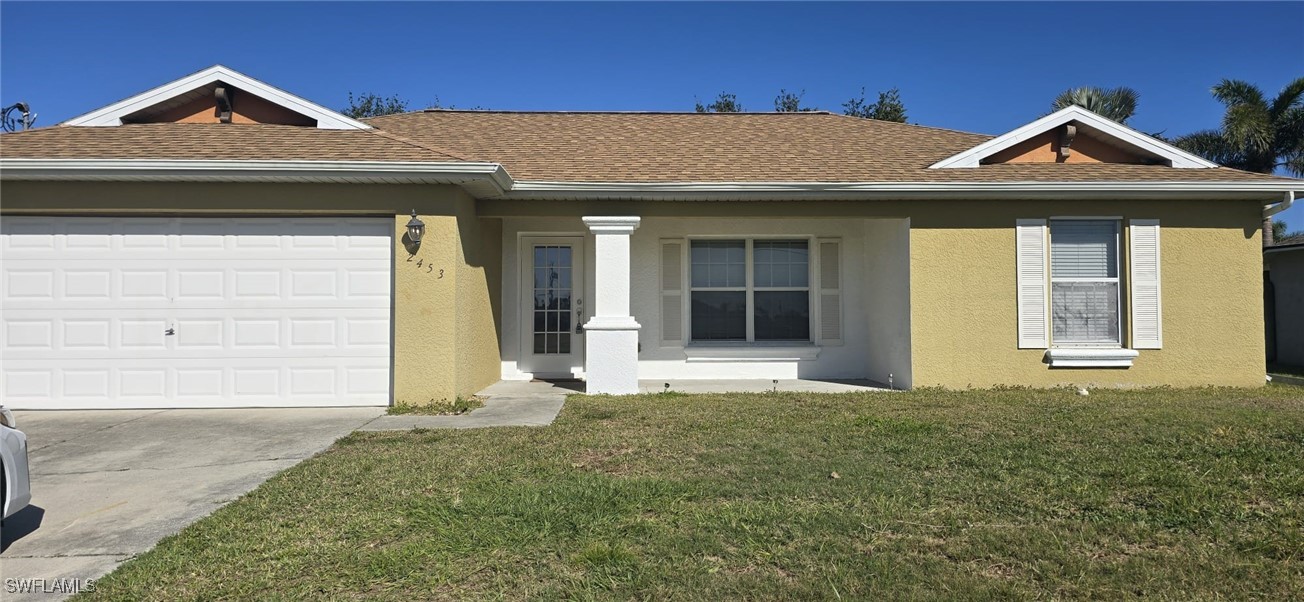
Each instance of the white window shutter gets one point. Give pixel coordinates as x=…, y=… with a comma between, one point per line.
x=672, y=291
x=1033, y=281
x=1147, y=315
x=830, y=291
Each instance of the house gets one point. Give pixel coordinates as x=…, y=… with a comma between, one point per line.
x=1283, y=271
x=217, y=241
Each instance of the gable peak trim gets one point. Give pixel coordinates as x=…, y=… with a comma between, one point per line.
x=112, y=114
x=1175, y=157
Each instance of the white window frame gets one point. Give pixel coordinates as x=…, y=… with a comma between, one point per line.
x=750, y=289
x=1117, y=280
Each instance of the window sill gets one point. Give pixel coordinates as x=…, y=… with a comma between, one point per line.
x=751, y=352
x=1090, y=357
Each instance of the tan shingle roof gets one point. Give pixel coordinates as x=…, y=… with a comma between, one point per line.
x=213, y=141
x=603, y=147
x=685, y=147
x=739, y=147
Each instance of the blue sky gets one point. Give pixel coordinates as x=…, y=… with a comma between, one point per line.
x=978, y=67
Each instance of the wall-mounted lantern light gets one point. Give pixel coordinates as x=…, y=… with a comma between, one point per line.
x=415, y=228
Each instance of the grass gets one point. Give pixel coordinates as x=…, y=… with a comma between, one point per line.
x=458, y=406
x=978, y=495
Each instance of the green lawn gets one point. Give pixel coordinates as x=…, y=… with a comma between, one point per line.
x=1173, y=494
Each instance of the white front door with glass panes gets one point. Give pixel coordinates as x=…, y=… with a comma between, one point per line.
x=749, y=291
x=553, y=310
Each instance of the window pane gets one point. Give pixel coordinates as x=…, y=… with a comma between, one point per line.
x=552, y=298
x=782, y=315
x=1083, y=249
x=718, y=263
x=780, y=263
x=1084, y=312
x=719, y=315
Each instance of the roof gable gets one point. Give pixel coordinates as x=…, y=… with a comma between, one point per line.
x=182, y=91
x=1091, y=124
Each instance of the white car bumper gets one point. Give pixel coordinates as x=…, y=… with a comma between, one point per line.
x=13, y=453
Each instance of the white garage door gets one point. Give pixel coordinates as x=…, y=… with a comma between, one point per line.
x=195, y=312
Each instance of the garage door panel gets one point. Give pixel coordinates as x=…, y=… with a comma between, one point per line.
x=246, y=332
x=195, y=312
x=197, y=382
x=195, y=238
x=344, y=281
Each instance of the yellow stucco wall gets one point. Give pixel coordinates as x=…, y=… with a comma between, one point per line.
x=445, y=330
x=963, y=304
x=479, y=305
x=962, y=276
x=446, y=306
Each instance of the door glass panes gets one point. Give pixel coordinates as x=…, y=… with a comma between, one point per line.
x=553, y=295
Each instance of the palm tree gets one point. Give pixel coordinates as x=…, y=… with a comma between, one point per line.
x=1118, y=104
x=1256, y=135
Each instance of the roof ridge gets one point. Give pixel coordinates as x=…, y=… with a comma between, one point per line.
x=372, y=120
x=405, y=140
x=611, y=112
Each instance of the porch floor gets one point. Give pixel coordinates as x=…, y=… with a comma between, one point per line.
x=519, y=388
x=760, y=386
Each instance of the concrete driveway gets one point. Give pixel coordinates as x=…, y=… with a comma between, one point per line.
x=107, y=485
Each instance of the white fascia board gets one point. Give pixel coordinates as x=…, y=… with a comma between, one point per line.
x=112, y=115
x=972, y=157
x=186, y=170
x=503, y=186
x=797, y=189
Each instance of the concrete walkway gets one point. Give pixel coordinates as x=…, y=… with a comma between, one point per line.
x=506, y=403
x=537, y=403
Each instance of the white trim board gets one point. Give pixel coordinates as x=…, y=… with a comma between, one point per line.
x=112, y=115
x=1176, y=157
x=1087, y=357
x=492, y=181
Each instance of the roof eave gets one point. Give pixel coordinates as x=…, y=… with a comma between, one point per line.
x=1267, y=191
x=486, y=178
x=491, y=180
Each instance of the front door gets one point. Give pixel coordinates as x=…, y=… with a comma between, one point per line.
x=552, y=345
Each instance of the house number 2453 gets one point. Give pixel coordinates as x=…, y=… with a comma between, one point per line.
x=430, y=267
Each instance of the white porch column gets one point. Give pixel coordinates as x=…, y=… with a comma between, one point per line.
x=611, y=335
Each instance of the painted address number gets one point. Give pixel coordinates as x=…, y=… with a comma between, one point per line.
x=430, y=267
